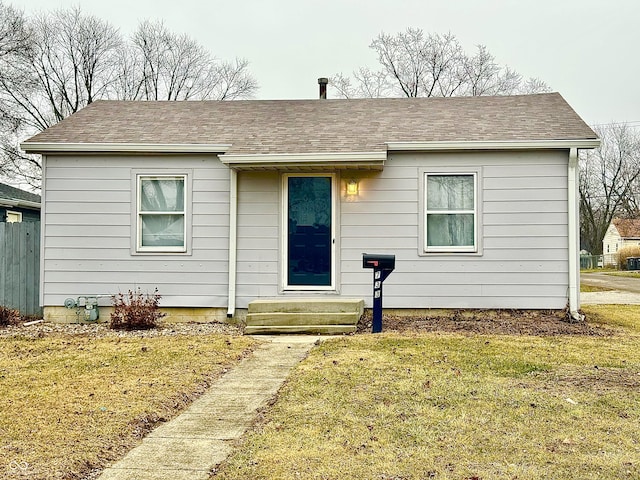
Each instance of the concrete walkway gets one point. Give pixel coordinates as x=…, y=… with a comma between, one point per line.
x=623, y=290
x=612, y=297
x=192, y=444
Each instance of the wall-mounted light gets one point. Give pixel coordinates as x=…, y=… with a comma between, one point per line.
x=352, y=187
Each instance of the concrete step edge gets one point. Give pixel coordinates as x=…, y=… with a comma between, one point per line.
x=284, y=319
x=309, y=329
x=306, y=306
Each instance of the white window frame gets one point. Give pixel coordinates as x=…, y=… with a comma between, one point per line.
x=138, y=178
x=476, y=248
x=16, y=217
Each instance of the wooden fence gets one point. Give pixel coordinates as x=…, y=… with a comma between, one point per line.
x=20, y=267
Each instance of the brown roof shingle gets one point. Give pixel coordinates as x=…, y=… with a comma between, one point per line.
x=7, y=192
x=627, y=227
x=319, y=126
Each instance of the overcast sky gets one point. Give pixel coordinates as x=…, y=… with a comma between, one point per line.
x=588, y=50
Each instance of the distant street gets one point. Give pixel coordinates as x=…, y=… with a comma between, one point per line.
x=610, y=281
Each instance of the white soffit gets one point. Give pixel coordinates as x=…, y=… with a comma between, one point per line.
x=493, y=145
x=47, y=147
x=357, y=160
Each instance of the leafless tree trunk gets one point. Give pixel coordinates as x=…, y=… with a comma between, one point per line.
x=608, y=178
x=415, y=64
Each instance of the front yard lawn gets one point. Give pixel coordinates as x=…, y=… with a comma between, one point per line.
x=457, y=406
x=72, y=403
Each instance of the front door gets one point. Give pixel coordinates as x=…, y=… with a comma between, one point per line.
x=309, y=232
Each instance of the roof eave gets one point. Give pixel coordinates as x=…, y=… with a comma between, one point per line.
x=342, y=160
x=586, y=143
x=5, y=202
x=65, y=147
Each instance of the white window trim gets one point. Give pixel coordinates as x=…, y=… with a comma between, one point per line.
x=476, y=249
x=136, y=224
x=17, y=214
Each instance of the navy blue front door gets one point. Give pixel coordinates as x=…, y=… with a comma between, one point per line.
x=309, y=231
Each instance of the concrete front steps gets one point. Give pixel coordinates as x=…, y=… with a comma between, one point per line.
x=304, y=315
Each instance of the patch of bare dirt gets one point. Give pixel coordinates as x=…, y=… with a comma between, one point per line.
x=491, y=322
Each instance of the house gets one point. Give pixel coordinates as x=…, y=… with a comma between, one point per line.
x=622, y=232
x=19, y=250
x=221, y=204
x=18, y=205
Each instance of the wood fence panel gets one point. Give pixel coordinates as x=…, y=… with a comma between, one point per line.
x=20, y=267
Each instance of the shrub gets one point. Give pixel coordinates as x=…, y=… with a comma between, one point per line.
x=8, y=316
x=624, y=253
x=136, y=311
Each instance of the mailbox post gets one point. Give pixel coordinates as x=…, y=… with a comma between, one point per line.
x=382, y=266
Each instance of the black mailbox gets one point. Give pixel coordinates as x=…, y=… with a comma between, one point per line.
x=381, y=262
x=382, y=266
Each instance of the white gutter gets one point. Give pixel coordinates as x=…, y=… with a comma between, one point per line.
x=49, y=147
x=574, y=242
x=19, y=203
x=43, y=227
x=493, y=145
x=279, y=160
x=233, y=240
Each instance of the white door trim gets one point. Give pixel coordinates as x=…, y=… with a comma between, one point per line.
x=284, y=234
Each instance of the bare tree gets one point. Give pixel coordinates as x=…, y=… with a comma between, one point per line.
x=176, y=67
x=72, y=61
x=368, y=84
x=68, y=61
x=54, y=64
x=609, y=176
x=14, y=46
x=415, y=64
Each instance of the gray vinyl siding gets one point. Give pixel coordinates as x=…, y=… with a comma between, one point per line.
x=89, y=215
x=523, y=260
x=258, y=254
x=522, y=263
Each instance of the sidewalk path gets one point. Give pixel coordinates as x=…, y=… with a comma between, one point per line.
x=192, y=444
x=611, y=297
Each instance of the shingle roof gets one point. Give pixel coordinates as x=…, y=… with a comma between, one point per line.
x=627, y=227
x=319, y=126
x=8, y=192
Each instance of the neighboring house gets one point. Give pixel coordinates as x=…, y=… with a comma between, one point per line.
x=622, y=232
x=218, y=204
x=19, y=250
x=18, y=206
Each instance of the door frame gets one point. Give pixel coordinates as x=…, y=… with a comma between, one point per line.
x=284, y=234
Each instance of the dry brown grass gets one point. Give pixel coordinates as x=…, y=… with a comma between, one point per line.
x=71, y=403
x=450, y=405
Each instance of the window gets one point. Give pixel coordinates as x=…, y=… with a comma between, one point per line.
x=161, y=214
x=450, y=211
x=14, y=217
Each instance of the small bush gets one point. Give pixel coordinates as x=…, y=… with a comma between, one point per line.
x=136, y=311
x=8, y=316
x=626, y=252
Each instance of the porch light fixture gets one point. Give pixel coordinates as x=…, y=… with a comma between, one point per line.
x=352, y=187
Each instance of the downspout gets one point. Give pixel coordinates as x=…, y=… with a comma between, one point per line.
x=233, y=238
x=573, y=211
x=43, y=226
